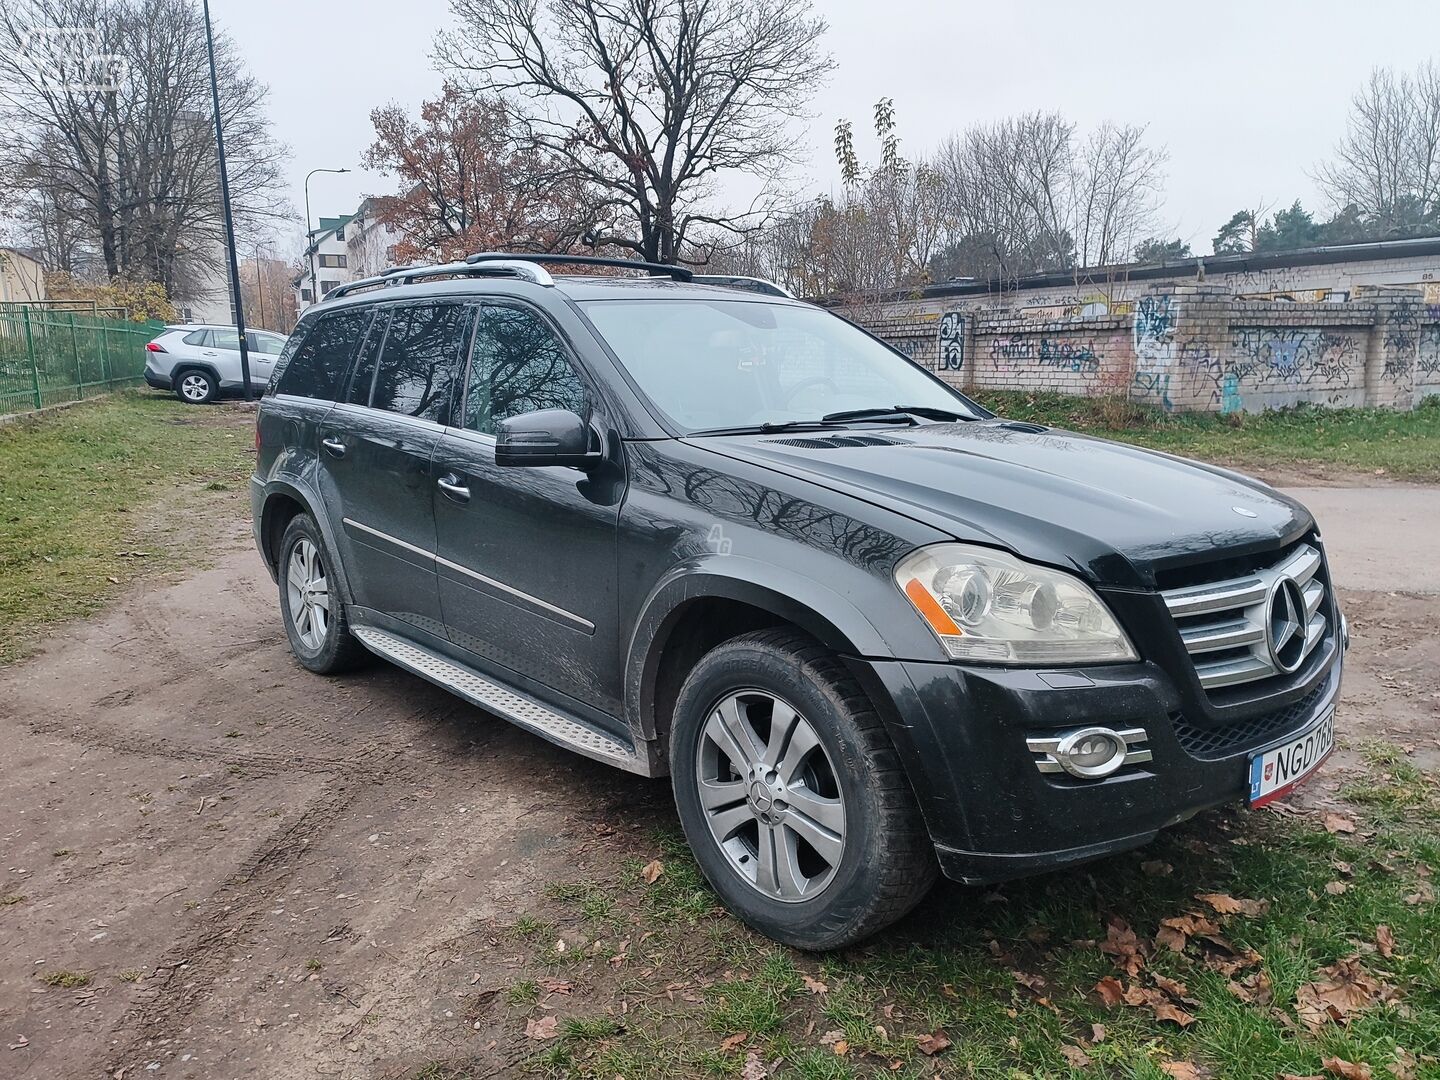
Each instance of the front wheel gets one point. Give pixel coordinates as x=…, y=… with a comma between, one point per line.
x=792, y=796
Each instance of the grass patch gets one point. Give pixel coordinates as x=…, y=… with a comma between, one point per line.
x=74, y=486
x=1008, y=974
x=1403, y=444
x=66, y=980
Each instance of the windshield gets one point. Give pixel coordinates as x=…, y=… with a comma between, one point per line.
x=735, y=363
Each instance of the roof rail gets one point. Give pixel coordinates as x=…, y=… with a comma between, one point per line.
x=749, y=284
x=679, y=273
x=405, y=275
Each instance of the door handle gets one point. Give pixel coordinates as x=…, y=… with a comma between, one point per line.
x=453, y=488
x=334, y=447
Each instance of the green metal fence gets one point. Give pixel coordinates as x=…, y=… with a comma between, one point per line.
x=47, y=357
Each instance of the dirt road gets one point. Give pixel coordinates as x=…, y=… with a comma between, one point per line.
x=266, y=873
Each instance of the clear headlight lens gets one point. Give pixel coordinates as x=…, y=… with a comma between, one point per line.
x=988, y=606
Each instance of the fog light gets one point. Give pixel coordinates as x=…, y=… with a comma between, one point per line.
x=1090, y=753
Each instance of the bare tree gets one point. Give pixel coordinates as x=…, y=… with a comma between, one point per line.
x=133, y=165
x=650, y=102
x=1387, y=165
x=1114, y=193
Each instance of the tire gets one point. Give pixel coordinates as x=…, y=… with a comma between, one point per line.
x=844, y=770
x=195, y=386
x=319, y=635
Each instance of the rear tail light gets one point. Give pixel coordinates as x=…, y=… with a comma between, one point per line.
x=154, y=346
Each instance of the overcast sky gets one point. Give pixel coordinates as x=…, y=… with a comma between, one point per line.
x=1246, y=95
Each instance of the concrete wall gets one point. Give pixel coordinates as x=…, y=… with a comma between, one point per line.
x=1183, y=347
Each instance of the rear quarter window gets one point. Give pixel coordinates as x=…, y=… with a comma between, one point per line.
x=315, y=361
x=195, y=337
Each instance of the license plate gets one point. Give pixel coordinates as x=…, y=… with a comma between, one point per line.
x=1275, y=772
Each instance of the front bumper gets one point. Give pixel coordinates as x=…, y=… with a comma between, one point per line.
x=994, y=815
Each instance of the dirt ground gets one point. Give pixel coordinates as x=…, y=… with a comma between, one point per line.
x=273, y=874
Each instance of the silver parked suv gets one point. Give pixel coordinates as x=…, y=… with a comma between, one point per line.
x=199, y=363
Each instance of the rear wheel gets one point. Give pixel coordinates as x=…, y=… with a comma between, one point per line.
x=314, y=614
x=792, y=796
x=195, y=387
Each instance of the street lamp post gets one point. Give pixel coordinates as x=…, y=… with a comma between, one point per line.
x=309, y=238
x=235, y=297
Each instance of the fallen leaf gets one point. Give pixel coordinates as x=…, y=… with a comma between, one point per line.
x=1034, y=983
x=1097, y=1033
x=557, y=986
x=1335, y=888
x=1347, y=989
x=19, y=1044
x=1254, y=989
x=1175, y=989
x=841, y=1048
x=755, y=1068
x=1348, y=1069
x=1156, y=868
x=1166, y=1011
x=1338, y=823
x=1077, y=1057
x=1404, y=1067
x=1424, y=895
x=932, y=1044
x=1228, y=905
x=1185, y=1070
x=1385, y=941
x=1163, y=1008
x=730, y=1042
x=830, y=1038
x=1175, y=932
x=1110, y=990
x=651, y=871
x=543, y=1028
x=1121, y=943
x=815, y=986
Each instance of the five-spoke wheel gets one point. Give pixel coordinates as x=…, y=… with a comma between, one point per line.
x=309, y=593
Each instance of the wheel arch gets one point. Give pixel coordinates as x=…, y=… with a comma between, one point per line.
x=182, y=366
x=699, y=607
x=283, y=502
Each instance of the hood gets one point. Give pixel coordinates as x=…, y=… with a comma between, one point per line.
x=1114, y=513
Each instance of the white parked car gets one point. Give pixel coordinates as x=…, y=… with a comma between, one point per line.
x=200, y=362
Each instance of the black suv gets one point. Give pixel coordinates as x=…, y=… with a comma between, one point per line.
x=869, y=629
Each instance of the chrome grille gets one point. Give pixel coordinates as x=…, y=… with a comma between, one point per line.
x=1225, y=624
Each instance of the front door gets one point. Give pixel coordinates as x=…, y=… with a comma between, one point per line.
x=376, y=446
x=526, y=556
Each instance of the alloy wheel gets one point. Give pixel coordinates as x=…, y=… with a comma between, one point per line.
x=308, y=591
x=195, y=387
x=771, y=796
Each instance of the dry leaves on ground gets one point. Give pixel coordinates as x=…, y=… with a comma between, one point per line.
x=1175, y=933
x=1347, y=989
x=815, y=986
x=1076, y=1056
x=543, y=1028
x=932, y=1044
x=1350, y=1070
x=730, y=1042
x=1110, y=990
x=755, y=1068
x=1185, y=1070
x=1228, y=905
x=1385, y=941
x=1122, y=943
x=1159, y=1003
x=1338, y=823
x=651, y=871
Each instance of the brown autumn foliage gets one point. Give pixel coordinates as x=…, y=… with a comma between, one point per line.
x=466, y=185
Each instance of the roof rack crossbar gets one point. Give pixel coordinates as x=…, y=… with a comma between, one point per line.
x=679, y=273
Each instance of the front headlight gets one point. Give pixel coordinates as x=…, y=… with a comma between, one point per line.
x=988, y=606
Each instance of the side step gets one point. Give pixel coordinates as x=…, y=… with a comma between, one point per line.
x=524, y=712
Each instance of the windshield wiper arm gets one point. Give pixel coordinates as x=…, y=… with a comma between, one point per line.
x=897, y=412
x=768, y=427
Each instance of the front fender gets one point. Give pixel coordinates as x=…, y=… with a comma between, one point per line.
x=814, y=607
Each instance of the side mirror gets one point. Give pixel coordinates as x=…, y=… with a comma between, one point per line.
x=546, y=437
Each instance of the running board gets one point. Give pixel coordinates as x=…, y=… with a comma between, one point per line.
x=521, y=711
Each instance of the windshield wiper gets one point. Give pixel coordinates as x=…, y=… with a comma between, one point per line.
x=898, y=413
x=769, y=427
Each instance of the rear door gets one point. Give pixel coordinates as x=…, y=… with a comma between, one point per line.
x=264, y=350
x=376, y=445
x=526, y=556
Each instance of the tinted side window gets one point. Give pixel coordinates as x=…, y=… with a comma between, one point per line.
x=315, y=366
x=518, y=365
x=195, y=337
x=421, y=359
